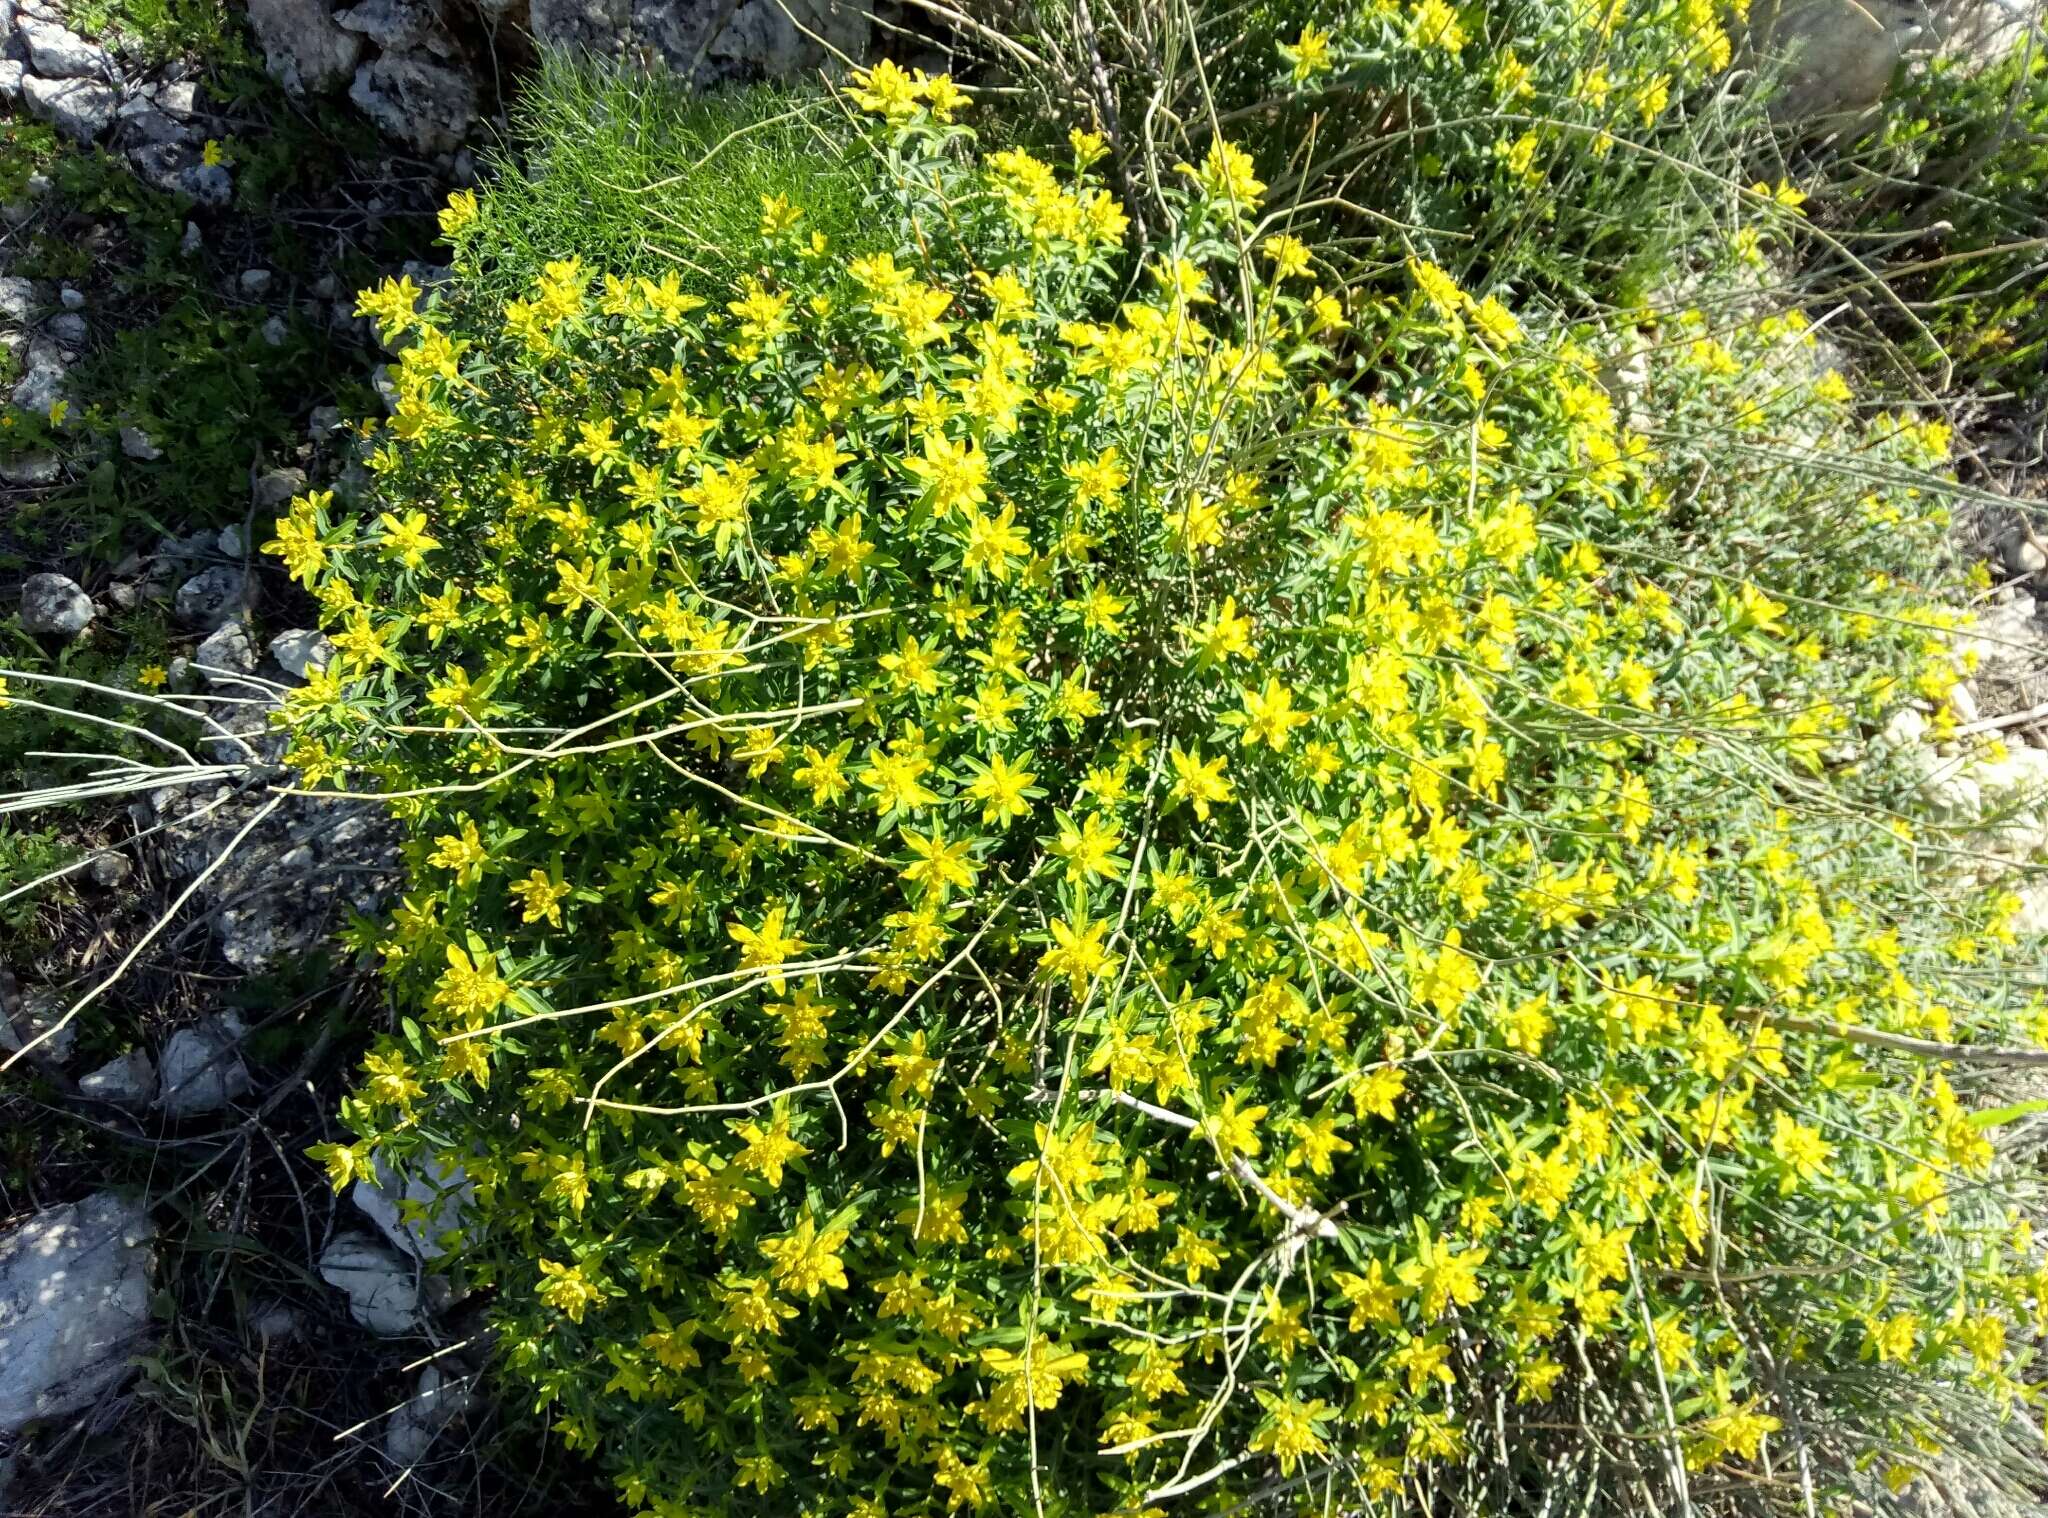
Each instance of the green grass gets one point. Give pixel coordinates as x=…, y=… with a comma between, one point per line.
x=637, y=176
x=162, y=29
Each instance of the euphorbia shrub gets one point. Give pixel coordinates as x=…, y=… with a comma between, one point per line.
x=1048, y=875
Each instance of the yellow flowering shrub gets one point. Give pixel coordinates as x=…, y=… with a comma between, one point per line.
x=1578, y=146
x=1056, y=876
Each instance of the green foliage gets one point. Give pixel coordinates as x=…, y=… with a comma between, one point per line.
x=27, y=855
x=167, y=353
x=645, y=179
x=1963, y=154
x=1023, y=898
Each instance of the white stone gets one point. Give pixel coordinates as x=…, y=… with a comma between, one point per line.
x=256, y=283
x=24, y=1019
x=214, y=597
x=1904, y=728
x=39, y=466
x=74, y=1306
x=2023, y=556
x=382, y=1284
x=202, y=1068
x=226, y=653
x=57, y=52
x=303, y=49
x=440, y=1397
x=54, y=606
x=274, y=487
x=127, y=1080
x=138, y=445
x=12, y=76
x=301, y=649
x=78, y=108
x=1963, y=701
x=419, y=103
x=416, y=1211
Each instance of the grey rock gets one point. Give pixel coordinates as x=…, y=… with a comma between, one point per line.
x=127, y=1080
x=383, y=1286
x=256, y=283
x=71, y=299
x=20, y=299
x=43, y=385
x=301, y=649
x=178, y=97
x=417, y=1210
x=303, y=49
x=37, y=467
x=55, y=606
x=323, y=423
x=424, y=105
x=74, y=1306
x=123, y=596
x=2022, y=555
x=37, y=1015
x=202, y=1068
x=397, y=26
x=230, y=542
x=56, y=52
x=143, y=120
x=12, y=77
x=439, y=1398
x=69, y=328
x=275, y=332
x=78, y=108
x=208, y=183
x=214, y=597
x=274, y=487
x=192, y=241
x=227, y=652
x=109, y=869
x=277, y=1321
x=138, y=445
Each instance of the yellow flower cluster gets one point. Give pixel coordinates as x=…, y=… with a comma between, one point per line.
x=1020, y=898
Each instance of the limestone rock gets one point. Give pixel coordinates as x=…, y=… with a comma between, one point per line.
x=274, y=487
x=226, y=653
x=55, y=606
x=26, y=1018
x=214, y=597
x=383, y=1286
x=416, y=1211
x=79, y=108
x=74, y=1306
x=127, y=1080
x=138, y=445
x=422, y=104
x=303, y=49
x=57, y=52
x=301, y=649
x=439, y=1397
x=38, y=466
x=202, y=1068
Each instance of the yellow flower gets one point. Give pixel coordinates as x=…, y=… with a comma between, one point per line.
x=1269, y=715
x=460, y=214
x=768, y=946
x=804, y=1261
x=1078, y=954
x=1308, y=55
x=406, y=538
